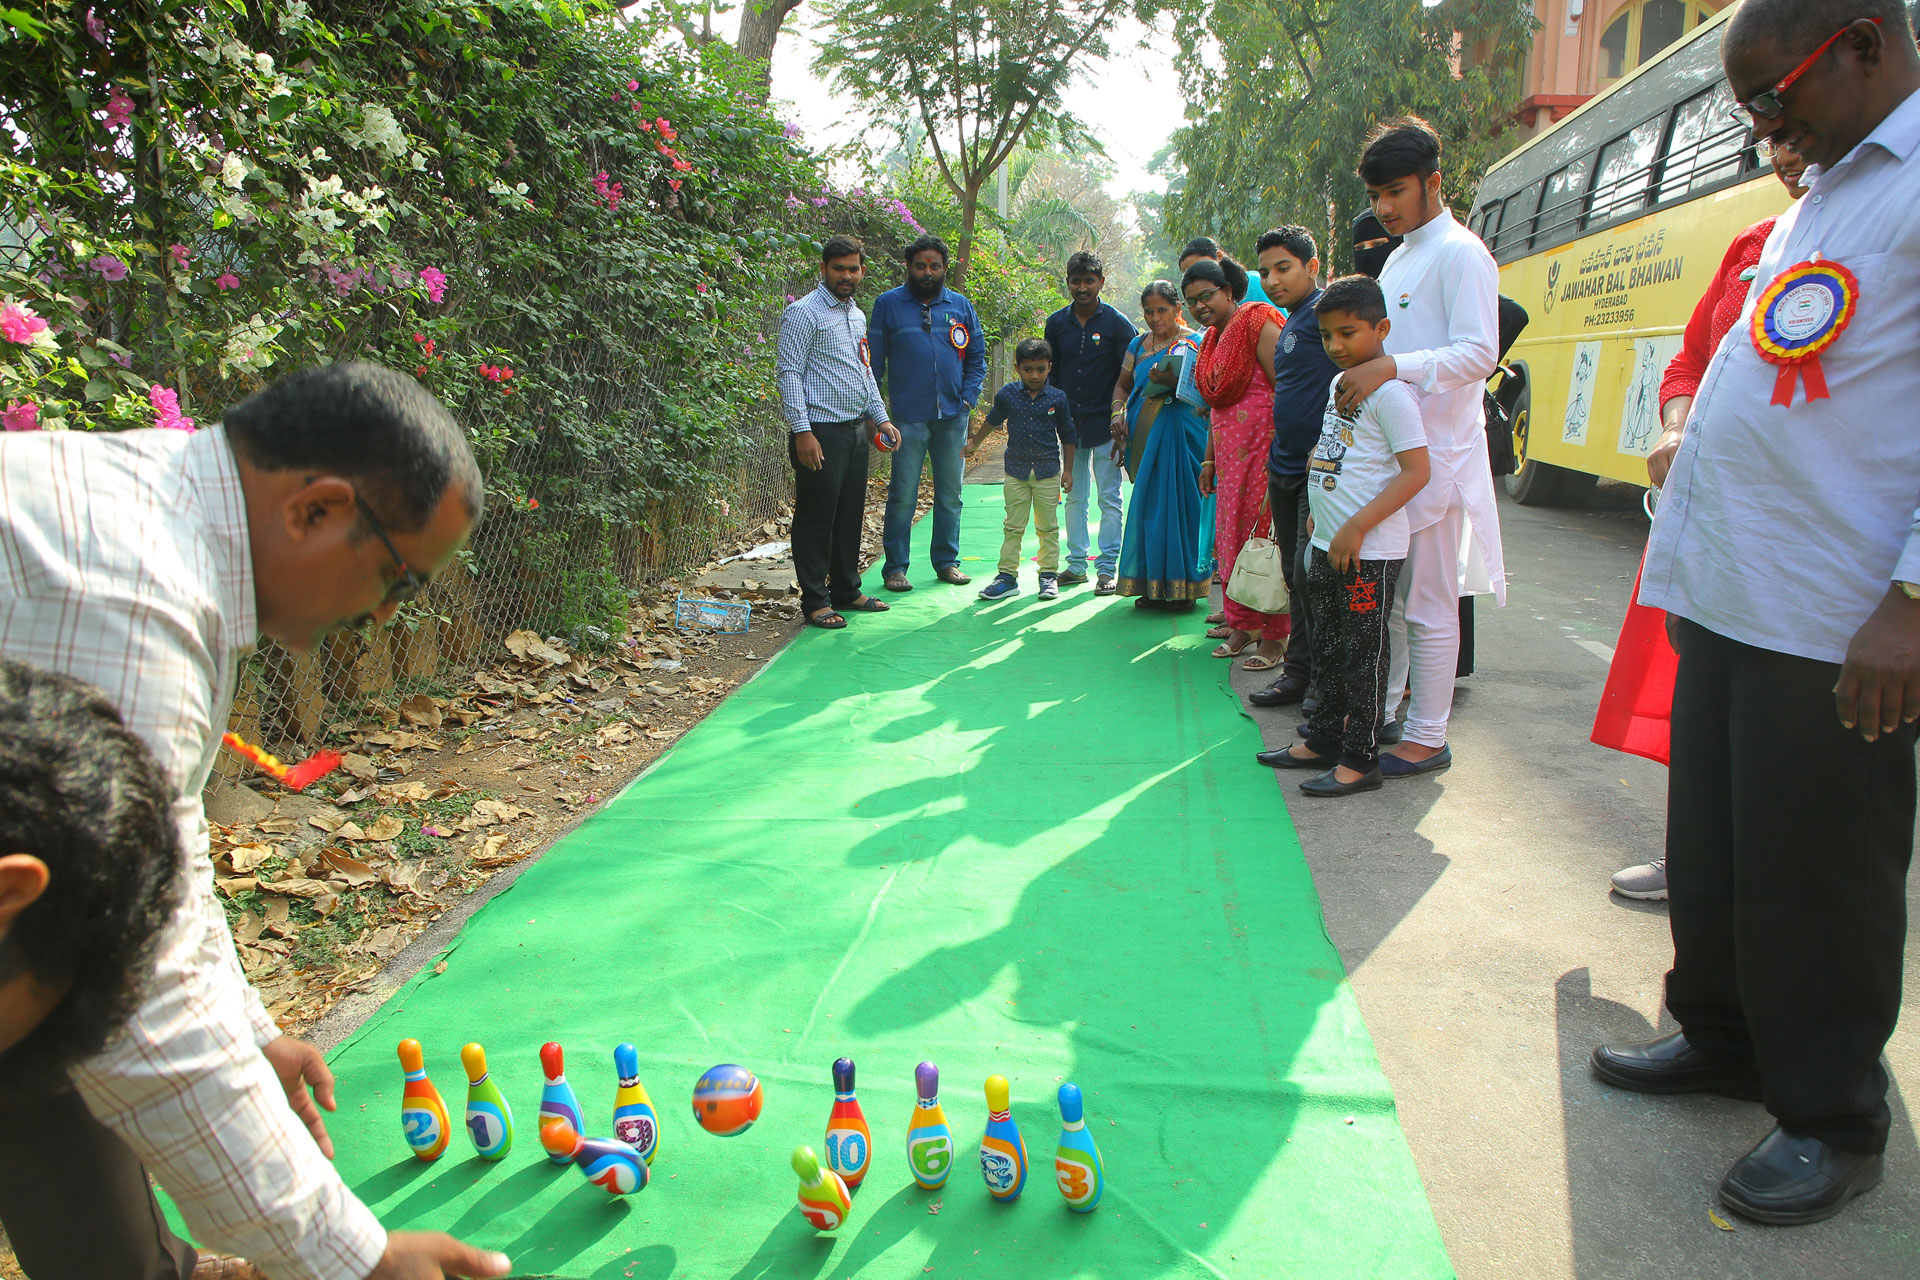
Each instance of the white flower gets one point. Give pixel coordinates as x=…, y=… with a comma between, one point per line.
x=320, y=153
x=249, y=347
x=514, y=197
x=263, y=63
x=236, y=53
x=378, y=131
x=293, y=16
x=233, y=172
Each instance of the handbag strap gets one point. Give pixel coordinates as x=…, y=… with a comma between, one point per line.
x=1265, y=518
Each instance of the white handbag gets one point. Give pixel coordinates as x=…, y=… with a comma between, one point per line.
x=1257, y=582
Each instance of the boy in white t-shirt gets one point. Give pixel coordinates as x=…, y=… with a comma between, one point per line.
x=1362, y=474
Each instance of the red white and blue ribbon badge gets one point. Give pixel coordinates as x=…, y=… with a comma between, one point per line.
x=957, y=334
x=1799, y=316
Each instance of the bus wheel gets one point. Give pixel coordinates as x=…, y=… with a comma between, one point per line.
x=1532, y=484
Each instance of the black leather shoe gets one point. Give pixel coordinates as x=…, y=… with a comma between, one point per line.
x=1285, y=759
x=1389, y=735
x=1671, y=1065
x=1789, y=1179
x=1329, y=784
x=1283, y=692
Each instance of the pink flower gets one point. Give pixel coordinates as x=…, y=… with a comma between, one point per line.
x=125, y=362
x=646, y=126
x=119, y=108
x=96, y=28
x=401, y=276
x=793, y=202
x=435, y=282
x=109, y=267
x=180, y=254
x=673, y=184
x=166, y=409
x=225, y=281
x=702, y=286
x=633, y=86
x=19, y=324
x=666, y=130
x=24, y=417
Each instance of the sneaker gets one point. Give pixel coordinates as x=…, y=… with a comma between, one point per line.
x=1002, y=586
x=1071, y=578
x=1106, y=586
x=1646, y=882
x=1049, y=587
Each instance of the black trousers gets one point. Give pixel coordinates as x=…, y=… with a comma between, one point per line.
x=1287, y=501
x=1352, y=655
x=1788, y=840
x=74, y=1199
x=829, y=506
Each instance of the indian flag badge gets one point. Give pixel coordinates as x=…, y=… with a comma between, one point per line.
x=1799, y=316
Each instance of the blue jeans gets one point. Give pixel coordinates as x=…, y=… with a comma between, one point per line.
x=942, y=440
x=1106, y=473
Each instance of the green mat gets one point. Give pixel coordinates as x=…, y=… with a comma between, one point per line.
x=1022, y=838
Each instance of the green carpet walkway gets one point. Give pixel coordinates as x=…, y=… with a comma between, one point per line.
x=1023, y=838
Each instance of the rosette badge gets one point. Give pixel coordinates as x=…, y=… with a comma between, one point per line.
x=1797, y=318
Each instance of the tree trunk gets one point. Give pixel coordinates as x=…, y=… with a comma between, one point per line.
x=963, y=252
x=759, y=27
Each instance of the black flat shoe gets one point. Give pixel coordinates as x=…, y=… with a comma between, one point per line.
x=1329, y=784
x=1283, y=692
x=866, y=604
x=1390, y=732
x=1285, y=759
x=1789, y=1179
x=1671, y=1065
x=1143, y=602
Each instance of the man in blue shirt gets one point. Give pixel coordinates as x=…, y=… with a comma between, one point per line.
x=1302, y=374
x=926, y=345
x=1089, y=341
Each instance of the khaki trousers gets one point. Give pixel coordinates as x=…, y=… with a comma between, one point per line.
x=1042, y=499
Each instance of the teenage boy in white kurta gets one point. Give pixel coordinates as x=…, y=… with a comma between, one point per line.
x=1442, y=291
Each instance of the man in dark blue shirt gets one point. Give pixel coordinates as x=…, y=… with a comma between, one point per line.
x=926, y=345
x=1302, y=377
x=1089, y=341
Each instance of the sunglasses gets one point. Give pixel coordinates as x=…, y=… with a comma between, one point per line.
x=926, y=316
x=410, y=584
x=1769, y=105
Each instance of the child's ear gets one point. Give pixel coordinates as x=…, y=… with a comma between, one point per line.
x=1384, y=328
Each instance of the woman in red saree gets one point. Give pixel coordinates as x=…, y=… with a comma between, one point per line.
x=1235, y=377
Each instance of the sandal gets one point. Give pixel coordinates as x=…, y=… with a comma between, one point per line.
x=1258, y=662
x=1217, y=618
x=826, y=620
x=1220, y=632
x=1221, y=651
x=867, y=604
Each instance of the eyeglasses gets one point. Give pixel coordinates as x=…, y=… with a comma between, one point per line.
x=1199, y=298
x=1769, y=105
x=410, y=583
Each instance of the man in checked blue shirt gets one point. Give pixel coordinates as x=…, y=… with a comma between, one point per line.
x=927, y=349
x=827, y=392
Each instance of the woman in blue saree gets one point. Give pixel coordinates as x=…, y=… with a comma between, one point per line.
x=1163, y=430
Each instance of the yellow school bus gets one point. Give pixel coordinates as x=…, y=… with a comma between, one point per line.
x=1608, y=227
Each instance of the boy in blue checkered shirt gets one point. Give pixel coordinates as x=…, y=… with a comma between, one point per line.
x=1039, y=466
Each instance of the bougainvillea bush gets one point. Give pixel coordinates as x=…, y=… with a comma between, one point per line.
x=576, y=233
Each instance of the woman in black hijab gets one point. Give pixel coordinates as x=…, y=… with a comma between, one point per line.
x=1371, y=245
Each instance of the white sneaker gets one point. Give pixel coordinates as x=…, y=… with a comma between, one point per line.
x=1646, y=882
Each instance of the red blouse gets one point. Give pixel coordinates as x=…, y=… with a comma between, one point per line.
x=1717, y=311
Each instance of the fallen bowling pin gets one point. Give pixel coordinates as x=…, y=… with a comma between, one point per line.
x=1003, y=1156
x=1076, y=1161
x=489, y=1118
x=849, y=1141
x=929, y=1138
x=558, y=1105
x=634, y=1122
x=825, y=1201
x=608, y=1163
x=423, y=1112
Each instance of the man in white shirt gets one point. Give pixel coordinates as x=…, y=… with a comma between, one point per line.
x=146, y=563
x=1442, y=291
x=1787, y=554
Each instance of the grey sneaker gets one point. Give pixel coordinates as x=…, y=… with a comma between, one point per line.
x=1106, y=586
x=1646, y=882
x=1049, y=587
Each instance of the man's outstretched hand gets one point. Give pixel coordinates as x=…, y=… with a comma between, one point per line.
x=301, y=1068
x=429, y=1255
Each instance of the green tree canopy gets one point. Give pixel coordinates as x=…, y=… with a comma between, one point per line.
x=1283, y=92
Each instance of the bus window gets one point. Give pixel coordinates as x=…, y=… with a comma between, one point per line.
x=1661, y=23
x=1478, y=225
x=1705, y=145
x=1624, y=180
x=1516, y=218
x=1562, y=203
x=1490, y=228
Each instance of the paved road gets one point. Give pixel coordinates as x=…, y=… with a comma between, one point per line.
x=1472, y=911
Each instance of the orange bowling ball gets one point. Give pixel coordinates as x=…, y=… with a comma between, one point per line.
x=727, y=1100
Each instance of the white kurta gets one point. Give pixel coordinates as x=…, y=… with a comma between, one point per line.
x=1442, y=291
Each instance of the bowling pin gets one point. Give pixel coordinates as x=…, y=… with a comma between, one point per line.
x=1076, y=1161
x=557, y=1104
x=423, y=1113
x=849, y=1141
x=608, y=1163
x=489, y=1118
x=1003, y=1156
x=634, y=1122
x=929, y=1140
x=825, y=1201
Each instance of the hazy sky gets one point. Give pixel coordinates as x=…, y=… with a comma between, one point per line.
x=1131, y=102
